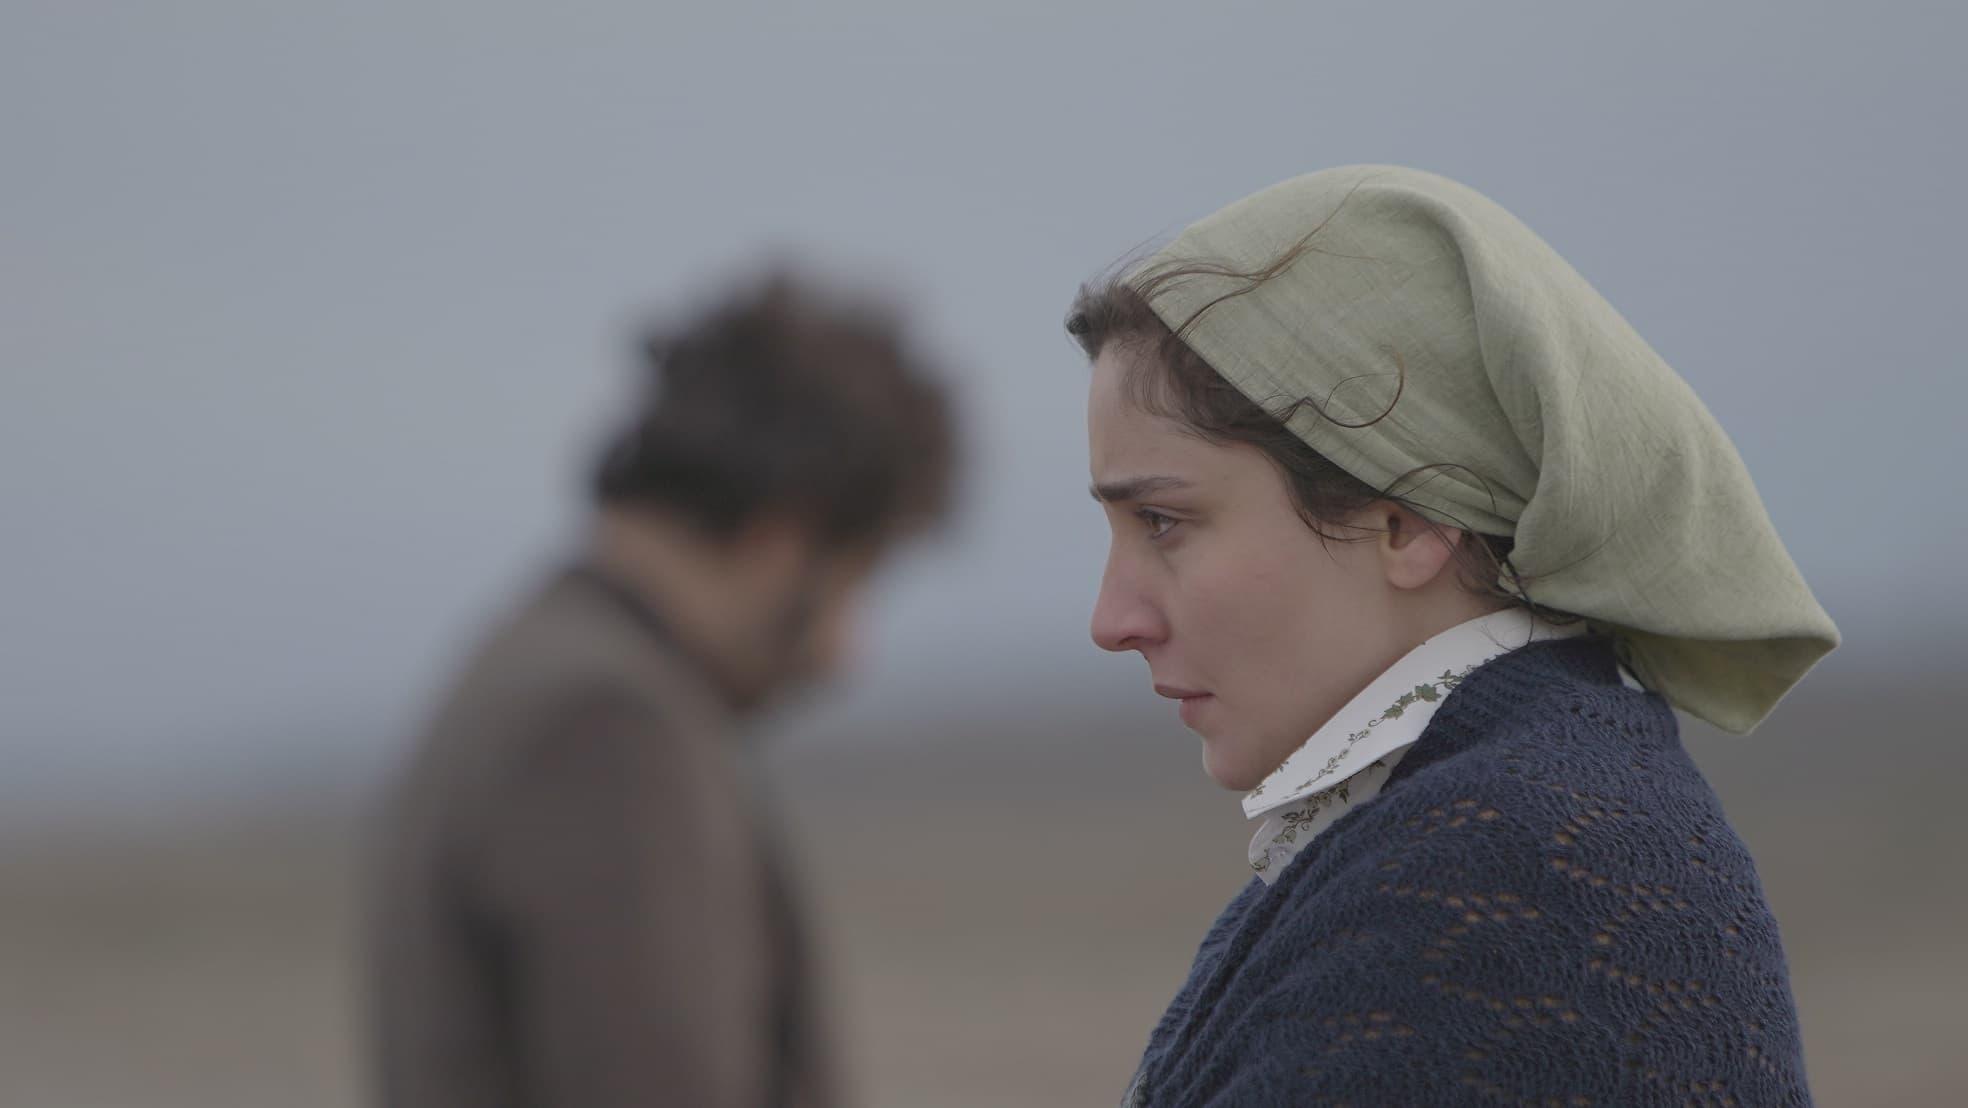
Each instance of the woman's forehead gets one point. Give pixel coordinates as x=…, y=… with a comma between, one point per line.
x=1130, y=444
x=1126, y=443
x=1141, y=456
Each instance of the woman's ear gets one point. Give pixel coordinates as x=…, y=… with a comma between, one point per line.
x=1414, y=552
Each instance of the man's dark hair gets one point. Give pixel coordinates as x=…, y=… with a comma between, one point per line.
x=778, y=401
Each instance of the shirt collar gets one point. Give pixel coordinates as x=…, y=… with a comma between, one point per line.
x=643, y=611
x=1390, y=713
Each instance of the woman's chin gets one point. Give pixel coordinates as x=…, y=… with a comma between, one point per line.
x=1228, y=770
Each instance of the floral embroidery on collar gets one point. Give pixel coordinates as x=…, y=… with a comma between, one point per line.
x=1321, y=808
x=1427, y=692
x=1344, y=763
x=1302, y=818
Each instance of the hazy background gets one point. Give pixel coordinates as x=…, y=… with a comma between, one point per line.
x=308, y=316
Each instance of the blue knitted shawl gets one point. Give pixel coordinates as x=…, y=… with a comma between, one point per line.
x=1544, y=906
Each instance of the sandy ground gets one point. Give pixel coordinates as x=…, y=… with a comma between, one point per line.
x=1008, y=912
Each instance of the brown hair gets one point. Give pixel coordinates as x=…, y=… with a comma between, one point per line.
x=1117, y=311
x=777, y=400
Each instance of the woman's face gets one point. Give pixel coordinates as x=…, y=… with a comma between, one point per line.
x=1258, y=626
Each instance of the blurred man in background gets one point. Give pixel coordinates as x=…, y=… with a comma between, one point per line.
x=580, y=902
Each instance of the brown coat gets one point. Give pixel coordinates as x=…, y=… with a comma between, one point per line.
x=577, y=905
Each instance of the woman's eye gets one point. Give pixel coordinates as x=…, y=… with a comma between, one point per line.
x=1158, y=524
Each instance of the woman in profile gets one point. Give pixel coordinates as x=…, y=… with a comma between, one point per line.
x=1427, y=543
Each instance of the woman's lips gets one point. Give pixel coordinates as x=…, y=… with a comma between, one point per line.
x=1193, y=702
x=1192, y=708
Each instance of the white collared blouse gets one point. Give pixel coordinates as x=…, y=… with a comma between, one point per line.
x=1345, y=763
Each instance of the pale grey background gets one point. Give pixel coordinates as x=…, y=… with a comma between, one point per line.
x=309, y=314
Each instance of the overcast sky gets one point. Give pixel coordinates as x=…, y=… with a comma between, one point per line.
x=308, y=313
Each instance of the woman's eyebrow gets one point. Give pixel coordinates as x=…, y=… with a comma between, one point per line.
x=1134, y=488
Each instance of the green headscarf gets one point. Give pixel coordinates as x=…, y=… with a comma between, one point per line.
x=1516, y=402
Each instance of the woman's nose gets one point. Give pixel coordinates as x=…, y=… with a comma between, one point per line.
x=1123, y=616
